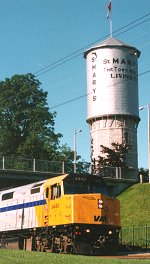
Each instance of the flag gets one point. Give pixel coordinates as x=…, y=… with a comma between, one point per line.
x=108, y=9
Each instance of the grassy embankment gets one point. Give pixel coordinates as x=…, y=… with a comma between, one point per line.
x=26, y=257
x=135, y=205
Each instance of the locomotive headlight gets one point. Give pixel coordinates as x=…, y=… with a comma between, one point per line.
x=110, y=232
x=100, y=203
x=87, y=230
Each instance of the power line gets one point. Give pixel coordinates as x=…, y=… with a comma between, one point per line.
x=85, y=95
x=143, y=73
x=70, y=100
x=77, y=53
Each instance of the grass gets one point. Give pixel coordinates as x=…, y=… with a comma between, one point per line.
x=27, y=257
x=135, y=205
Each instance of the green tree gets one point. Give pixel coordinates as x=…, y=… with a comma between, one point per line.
x=113, y=157
x=66, y=154
x=144, y=173
x=26, y=126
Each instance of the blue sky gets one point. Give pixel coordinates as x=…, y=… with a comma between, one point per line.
x=37, y=33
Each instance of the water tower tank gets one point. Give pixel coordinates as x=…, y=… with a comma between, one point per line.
x=112, y=96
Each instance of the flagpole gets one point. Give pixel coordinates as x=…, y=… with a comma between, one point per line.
x=109, y=15
x=111, y=20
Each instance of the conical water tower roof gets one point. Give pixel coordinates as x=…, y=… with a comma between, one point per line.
x=112, y=42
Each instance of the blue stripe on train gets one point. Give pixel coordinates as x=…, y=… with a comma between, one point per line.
x=23, y=205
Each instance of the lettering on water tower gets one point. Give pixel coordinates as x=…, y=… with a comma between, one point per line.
x=121, y=68
x=113, y=68
x=94, y=58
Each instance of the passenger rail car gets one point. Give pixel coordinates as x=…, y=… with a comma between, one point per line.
x=69, y=214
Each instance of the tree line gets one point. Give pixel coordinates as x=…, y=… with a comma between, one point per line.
x=27, y=127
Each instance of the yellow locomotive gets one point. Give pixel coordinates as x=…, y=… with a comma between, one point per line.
x=68, y=214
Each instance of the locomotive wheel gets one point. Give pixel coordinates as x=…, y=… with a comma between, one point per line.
x=38, y=246
x=69, y=249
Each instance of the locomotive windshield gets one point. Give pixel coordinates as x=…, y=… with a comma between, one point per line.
x=83, y=184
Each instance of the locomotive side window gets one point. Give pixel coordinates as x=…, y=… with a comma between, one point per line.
x=47, y=192
x=58, y=191
x=55, y=191
x=35, y=190
x=7, y=196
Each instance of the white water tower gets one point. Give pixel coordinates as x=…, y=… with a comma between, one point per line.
x=112, y=97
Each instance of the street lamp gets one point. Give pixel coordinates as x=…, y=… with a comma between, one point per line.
x=75, y=146
x=148, y=109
